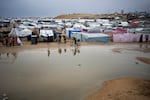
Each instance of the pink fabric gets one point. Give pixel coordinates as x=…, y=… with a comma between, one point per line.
x=129, y=37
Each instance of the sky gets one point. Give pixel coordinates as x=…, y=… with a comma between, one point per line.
x=53, y=8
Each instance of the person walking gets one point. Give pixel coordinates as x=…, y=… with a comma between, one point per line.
x=64, y=37
x=146, y=37
x=59, y=40
x=13, y=41
x=6, y=41
x=141, y=38
x=75, y=40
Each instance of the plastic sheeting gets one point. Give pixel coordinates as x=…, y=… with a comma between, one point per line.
x=129, y=37
x=92, y=37
x=46, y=33
x=70, y=30
x=25, y=32
x=20, y=33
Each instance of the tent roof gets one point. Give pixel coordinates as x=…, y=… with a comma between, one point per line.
x=46, y=33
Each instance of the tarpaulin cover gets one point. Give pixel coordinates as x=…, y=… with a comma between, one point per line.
x=92, y=37
x=22, y=33
x=70, y=31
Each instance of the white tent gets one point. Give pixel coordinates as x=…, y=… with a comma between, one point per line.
x=91, y=37
x=93, y=24
x=15, y=32
x=124, y=24
x=20, y=33
x=25, y=32
x=22, y=26
x=79, y=26
x=46, y=33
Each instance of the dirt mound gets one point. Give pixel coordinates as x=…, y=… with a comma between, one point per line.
x=89, y=16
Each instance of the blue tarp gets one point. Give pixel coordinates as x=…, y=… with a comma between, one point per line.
x=70, y=31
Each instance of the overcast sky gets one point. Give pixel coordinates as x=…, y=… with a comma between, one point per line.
x=52, y=8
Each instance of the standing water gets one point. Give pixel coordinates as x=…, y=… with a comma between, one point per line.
x=67, y=73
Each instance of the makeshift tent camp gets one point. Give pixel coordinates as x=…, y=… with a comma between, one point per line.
x=91, y=37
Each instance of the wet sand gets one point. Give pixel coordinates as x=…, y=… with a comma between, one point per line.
x=123, y=89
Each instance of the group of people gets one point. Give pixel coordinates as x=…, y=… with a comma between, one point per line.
x=75, y=42
x=146, y=38
x=59, y=38
x=10, y=41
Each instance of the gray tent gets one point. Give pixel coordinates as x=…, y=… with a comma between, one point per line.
x=91, y=37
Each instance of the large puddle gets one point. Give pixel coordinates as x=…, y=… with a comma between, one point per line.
x=66, y=73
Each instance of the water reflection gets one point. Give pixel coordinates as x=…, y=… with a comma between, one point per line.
x=65, y=50
x=8, y=57
x=140, y=45
x=14, y=54
x=59, y=50
x=48, y=52
x=144, y=45
x=75, y=50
